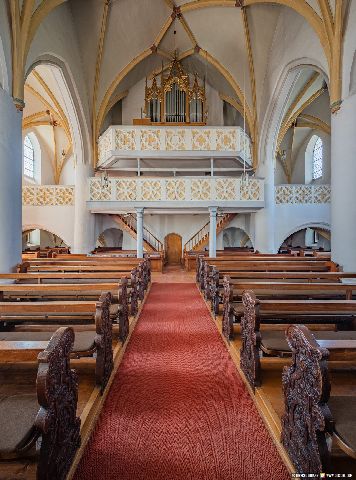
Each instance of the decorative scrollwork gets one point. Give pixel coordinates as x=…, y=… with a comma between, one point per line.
x=251, y=339
x=134, y=292
x=227, y=321
x=57, y=392
x=123, y=311
x=307, y=419
x=103, y=341
x=207, y=272
x=214, y=290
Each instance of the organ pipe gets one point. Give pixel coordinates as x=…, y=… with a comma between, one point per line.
x=175, y=100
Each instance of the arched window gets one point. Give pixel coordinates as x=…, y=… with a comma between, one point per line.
x=28, y=158
x=318, y=159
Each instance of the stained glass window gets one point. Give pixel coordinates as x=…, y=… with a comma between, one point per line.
x=28, y=158
x=318, y=159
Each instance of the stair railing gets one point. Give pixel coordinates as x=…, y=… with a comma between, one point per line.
x=205, y=231
x=197, y=238
x=131, y=221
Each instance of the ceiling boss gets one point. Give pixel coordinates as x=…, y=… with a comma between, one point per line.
x=175, y=101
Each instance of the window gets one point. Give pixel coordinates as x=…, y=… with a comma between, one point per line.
x=28, y=158
x=318, y=159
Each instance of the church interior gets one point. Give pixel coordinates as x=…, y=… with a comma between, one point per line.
x=177, y=241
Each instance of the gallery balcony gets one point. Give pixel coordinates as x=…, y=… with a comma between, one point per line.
x=161, y=195
x=123, y=142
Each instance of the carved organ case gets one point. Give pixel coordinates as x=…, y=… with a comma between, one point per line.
x=174, y=100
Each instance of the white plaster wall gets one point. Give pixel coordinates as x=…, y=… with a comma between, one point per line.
x=57, y=220
x=291, y=218
x=294, y=41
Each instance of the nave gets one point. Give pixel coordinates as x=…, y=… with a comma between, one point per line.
x=177, y=407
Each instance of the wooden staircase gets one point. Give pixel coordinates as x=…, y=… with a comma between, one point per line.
x=201, y=238
x=129, y=224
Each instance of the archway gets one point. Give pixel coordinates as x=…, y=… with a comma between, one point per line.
x=38, y=238
x=234, y=237
x=313, y=237
x=173, y=247
x=111, y=237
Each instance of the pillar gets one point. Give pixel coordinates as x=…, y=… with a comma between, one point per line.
x=139, y=226
x=84, y=221
x=10, y=184
x=212, y=233
x=264, y=227
x=343, y=184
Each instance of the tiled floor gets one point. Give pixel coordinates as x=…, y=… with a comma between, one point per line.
x=173, y=274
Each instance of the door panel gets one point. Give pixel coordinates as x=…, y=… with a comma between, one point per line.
x=173, y=248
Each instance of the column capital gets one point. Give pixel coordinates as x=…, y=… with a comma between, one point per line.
x=139, y=210
x=213, y=210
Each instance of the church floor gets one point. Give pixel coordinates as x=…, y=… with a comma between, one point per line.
x=177, y=409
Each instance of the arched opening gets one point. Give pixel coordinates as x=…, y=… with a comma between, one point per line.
x=36, y=238
x=110, y=238
x=313, y=238
x=235, y=238
x=303, y=139
x=173, y=247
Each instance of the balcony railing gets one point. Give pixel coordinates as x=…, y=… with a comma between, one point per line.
x=178, y=189
x=123, y=140
x=47, y=195
x=302, y=194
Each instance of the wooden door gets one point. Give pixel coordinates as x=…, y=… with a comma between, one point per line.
x=173, y=248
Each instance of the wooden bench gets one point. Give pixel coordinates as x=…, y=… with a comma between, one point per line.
x=104, y=265
x=218, y=280
x=50, y=413
x=232, y=296
x=119, y=309
x=48, y=313
x=206, y=270
x=311, y=415
x=255, y=312
x=135, y=287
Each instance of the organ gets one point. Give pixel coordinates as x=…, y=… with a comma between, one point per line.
x=175, y=100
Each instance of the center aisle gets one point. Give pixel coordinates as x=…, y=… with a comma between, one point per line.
x=177, y=409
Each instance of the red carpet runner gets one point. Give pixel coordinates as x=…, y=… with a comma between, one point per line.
x=177, y=409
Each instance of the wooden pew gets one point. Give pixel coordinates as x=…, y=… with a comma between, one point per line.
x=204, y=265
x=119, y=308
x=49, y=313
x=50, y=413
x=255, y=312
x=206, y=270
x=310, y=412
x=232, y=296
x=235, y=279
x=135, y=287
x=142, y=267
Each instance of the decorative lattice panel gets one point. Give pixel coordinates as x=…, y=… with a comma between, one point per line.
x=150, y=139
x=48, y=195
x=126, y=190
x=322, y=194
x=201, y=140
x=225, y=189
x=200, y=189
x=175, y=190
x=226, y=140
x=250, y=190
x=125, y=140
x=151, y=190
x=98, y=191
x=175, y=140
